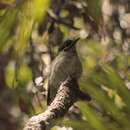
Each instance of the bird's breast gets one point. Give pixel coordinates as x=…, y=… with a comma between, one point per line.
x=64, y=66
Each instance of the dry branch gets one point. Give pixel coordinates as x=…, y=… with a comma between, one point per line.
x=65, y=97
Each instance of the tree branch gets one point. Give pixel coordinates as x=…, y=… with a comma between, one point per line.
x=60, y=20
x=66, y=96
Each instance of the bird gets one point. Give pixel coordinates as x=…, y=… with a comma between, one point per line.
x=66, y=63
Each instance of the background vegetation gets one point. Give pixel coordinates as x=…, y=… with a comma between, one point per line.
x=30, y=33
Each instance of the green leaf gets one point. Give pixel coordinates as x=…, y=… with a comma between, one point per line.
x=117, y=83
x=94, y=9
x=10, y=75
x=65, y=30
x=24, y=74
x=31, y=13
x=94, y=120
x=7, y=23
x=105, y=102
x=77, y=124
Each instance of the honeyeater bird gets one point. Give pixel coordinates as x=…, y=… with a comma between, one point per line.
x=66, y=63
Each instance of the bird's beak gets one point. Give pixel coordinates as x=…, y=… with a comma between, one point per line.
x=76, y=40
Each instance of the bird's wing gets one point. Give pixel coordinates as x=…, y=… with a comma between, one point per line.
x=57, y=69
x=48, y=95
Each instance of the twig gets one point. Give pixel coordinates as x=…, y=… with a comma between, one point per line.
x=60, y=20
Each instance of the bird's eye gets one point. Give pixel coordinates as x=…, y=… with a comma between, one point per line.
x=65, y=45
x=68, y=43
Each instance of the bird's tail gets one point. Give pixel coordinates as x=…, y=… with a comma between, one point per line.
x=84, y=96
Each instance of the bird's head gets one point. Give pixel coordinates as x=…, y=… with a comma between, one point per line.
x=68, y=45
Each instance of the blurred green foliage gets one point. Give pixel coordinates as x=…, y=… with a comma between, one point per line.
x=8, y=20
x=105, y=66
x=94, y=9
